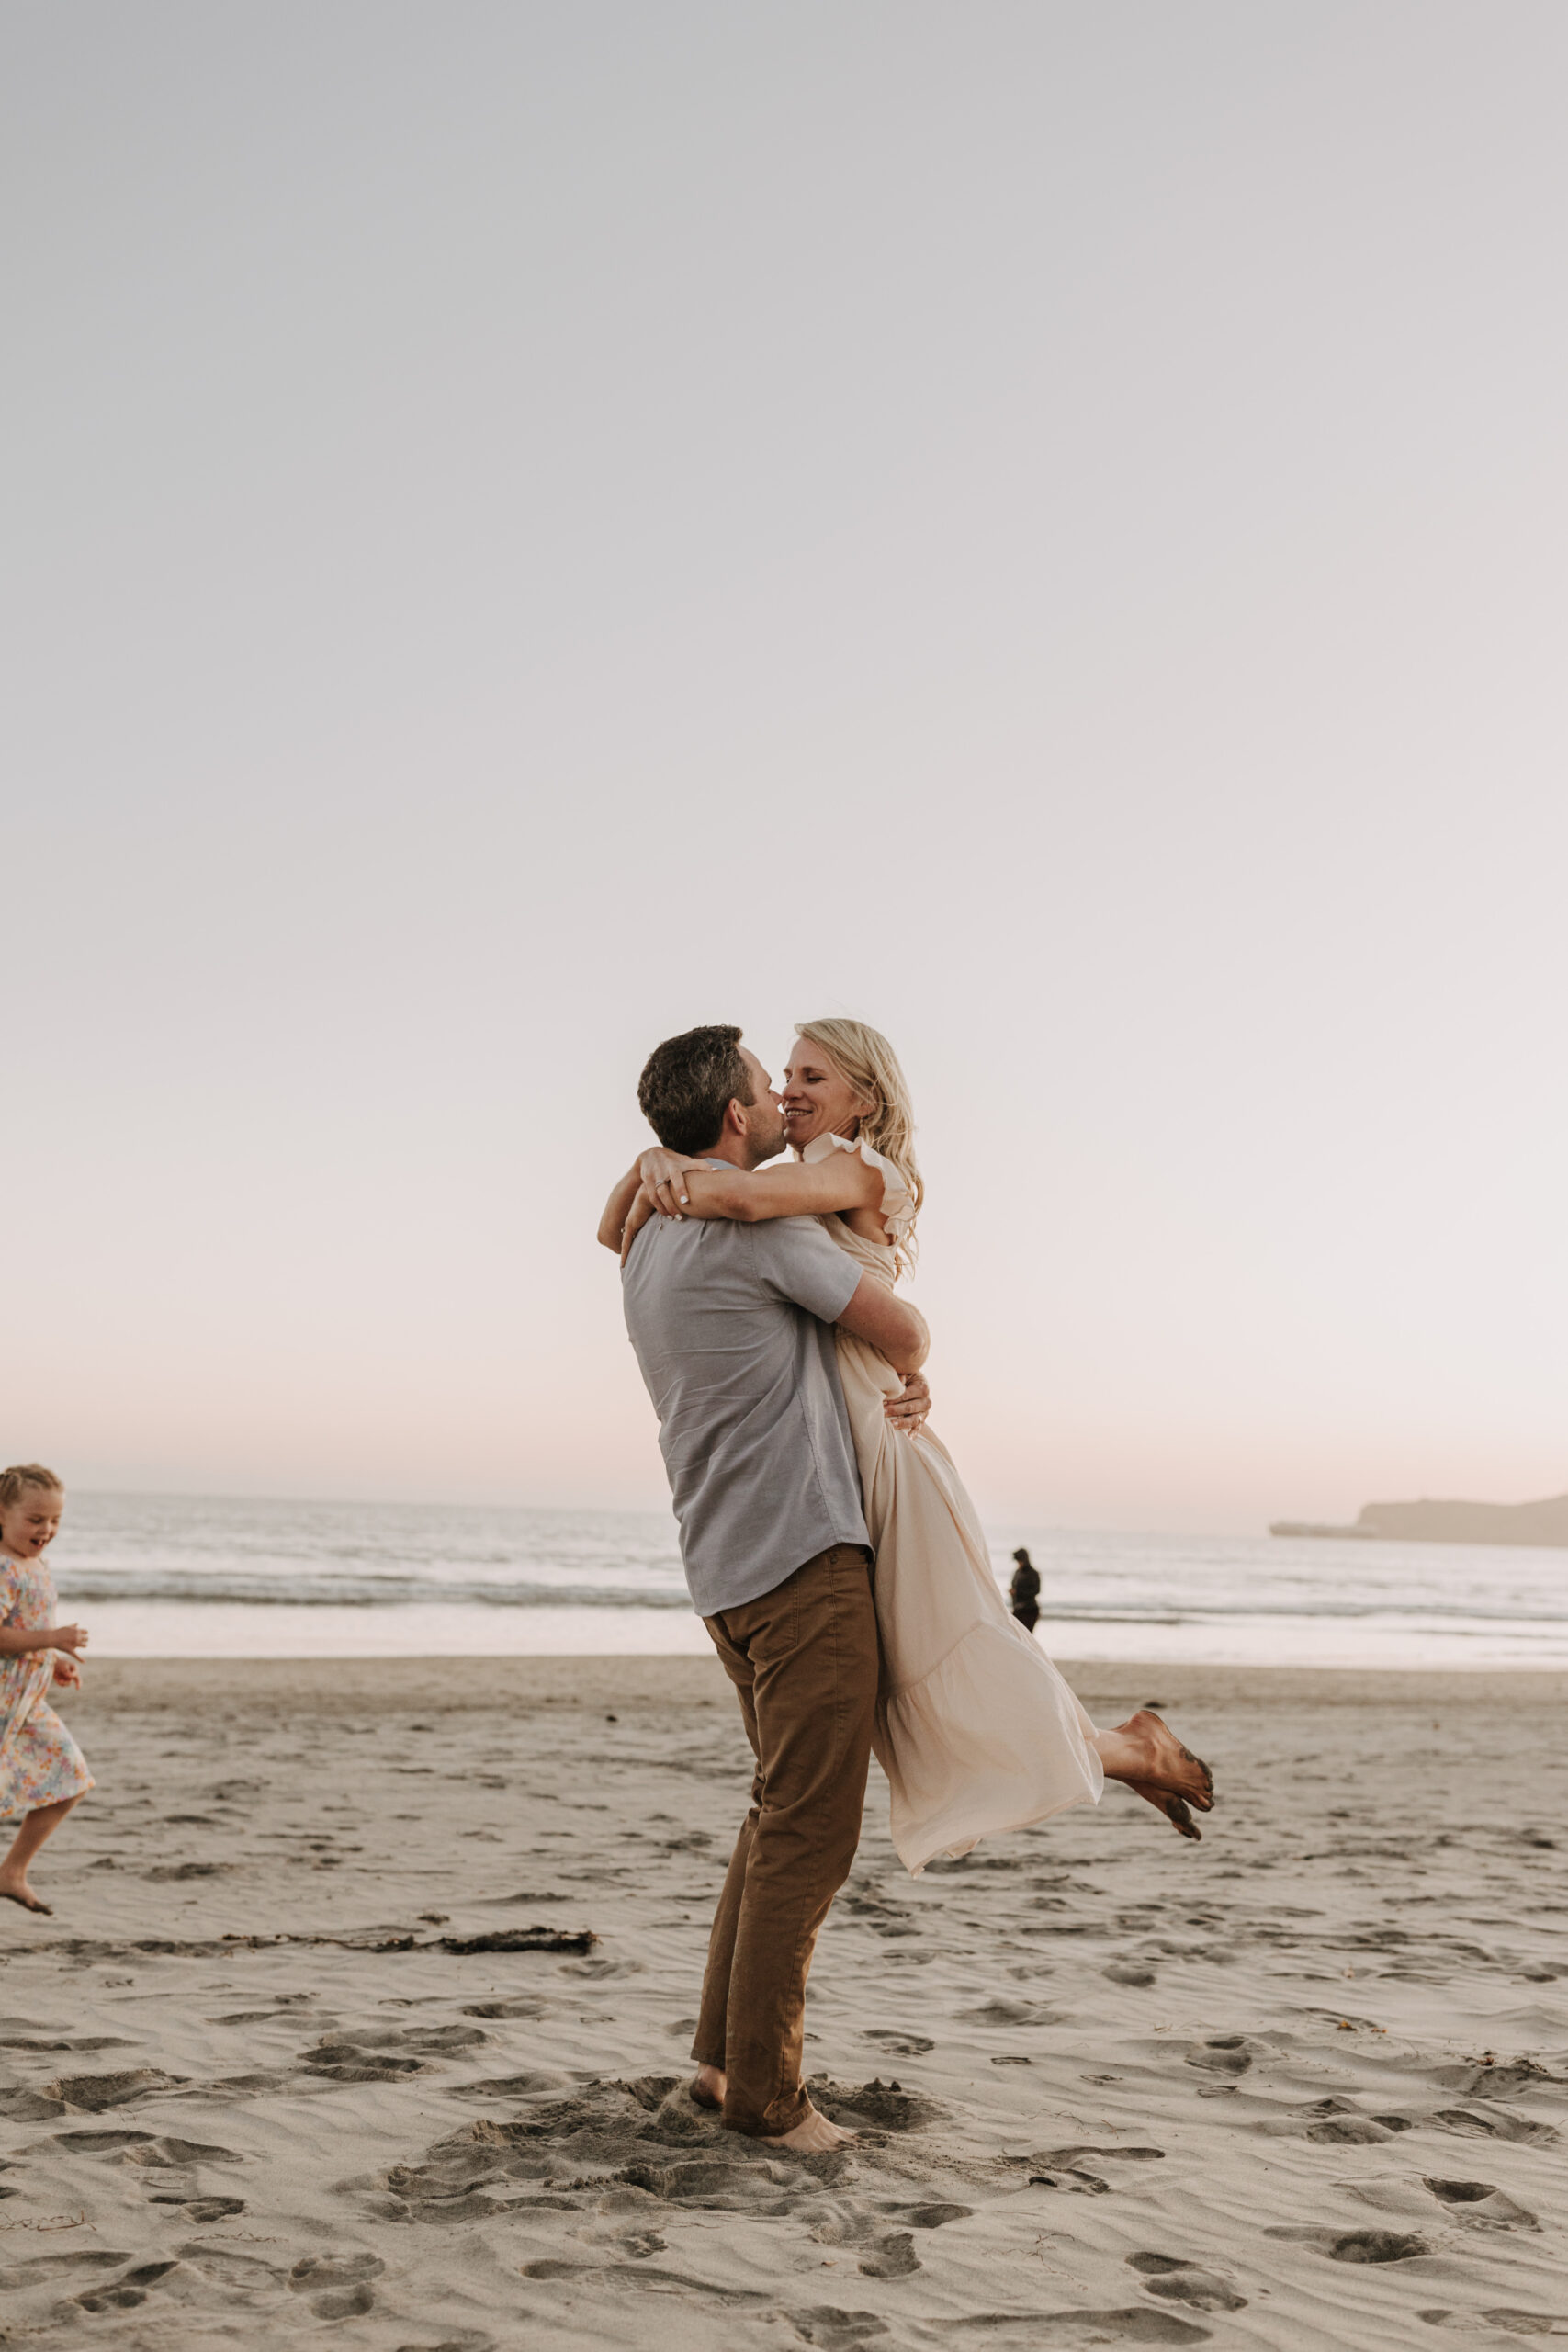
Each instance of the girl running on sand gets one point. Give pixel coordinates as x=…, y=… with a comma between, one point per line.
x=42, y=1772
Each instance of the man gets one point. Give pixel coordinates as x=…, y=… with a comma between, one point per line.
x=732, y=1325
x=1023, y=1593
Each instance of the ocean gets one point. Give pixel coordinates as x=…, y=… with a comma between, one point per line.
x=198, y=1577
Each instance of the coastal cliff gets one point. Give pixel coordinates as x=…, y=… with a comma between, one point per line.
x=1448, y=1523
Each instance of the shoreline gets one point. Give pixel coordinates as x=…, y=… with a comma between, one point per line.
x=614, y=1681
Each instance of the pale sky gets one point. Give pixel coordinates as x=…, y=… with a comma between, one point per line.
x=1040, y=525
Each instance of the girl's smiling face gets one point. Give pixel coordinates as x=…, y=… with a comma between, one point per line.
x=816, y=1098
x=29, y=1524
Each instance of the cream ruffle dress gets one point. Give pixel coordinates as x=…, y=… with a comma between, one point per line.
x=976, y=1729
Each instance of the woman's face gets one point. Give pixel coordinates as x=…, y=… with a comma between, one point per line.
x=31, y=1522
x=817, y=1099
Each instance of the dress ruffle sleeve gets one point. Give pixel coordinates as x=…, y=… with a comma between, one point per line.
x=898, y=1210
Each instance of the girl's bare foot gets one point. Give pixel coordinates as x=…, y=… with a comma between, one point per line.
x=19, y=1891
x=815, y=2136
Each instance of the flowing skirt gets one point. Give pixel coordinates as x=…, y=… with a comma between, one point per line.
x=975, y=1730
x=40, y=1761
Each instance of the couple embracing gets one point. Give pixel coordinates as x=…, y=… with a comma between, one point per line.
x=828, y=1541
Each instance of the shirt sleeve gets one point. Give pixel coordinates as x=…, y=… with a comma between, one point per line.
x=795, y=1261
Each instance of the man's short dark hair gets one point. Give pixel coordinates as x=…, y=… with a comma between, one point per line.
x=689, y=1082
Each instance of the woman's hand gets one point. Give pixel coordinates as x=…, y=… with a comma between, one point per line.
x=662, y=1174
x=65, y=1637
x=641, y=1209
x=907, y=1410
x=67, y=1673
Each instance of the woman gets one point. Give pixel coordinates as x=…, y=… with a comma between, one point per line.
x=977, y=1731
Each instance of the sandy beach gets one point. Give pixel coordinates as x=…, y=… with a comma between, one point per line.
x=1302, y=2086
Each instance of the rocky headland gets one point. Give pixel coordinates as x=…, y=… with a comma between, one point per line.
x=1448, y=1523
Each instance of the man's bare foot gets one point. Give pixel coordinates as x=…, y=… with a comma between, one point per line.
x=1174, y=1810
x=815, y=2136
x=20, y=1891
x=708, y=2087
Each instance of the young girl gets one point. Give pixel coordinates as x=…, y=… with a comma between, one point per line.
x=41, y=1769
x=977, y=1730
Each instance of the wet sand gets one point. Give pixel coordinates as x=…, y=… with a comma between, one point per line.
x=1301, y=2086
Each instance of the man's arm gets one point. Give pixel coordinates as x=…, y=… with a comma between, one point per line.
x=891, y=1326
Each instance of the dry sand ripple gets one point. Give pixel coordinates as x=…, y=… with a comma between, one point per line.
x=1306, y=2085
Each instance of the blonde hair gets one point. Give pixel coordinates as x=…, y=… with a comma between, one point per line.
x=14, y=1482
x=873, y=1068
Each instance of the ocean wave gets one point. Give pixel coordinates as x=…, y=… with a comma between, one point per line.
x=337, y=1592
x=333, y=1588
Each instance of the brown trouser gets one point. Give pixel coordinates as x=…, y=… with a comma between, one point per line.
x=803, y=1661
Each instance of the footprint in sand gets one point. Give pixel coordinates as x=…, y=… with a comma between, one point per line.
x=1337, y=2123
x=1355, y=2245
x=165, y=2159
x=622, y=2274
x=338, y=2285
x=509, y=2085
x=1176, y=2279
x=1482, y=2204
x=1132, y=1972
x=639, y=2244
x=385, y=2053
x=43, y=2269
x=102, y=2143
x=126, y=2293
x=169, y=2151
x=92, y=2093
x=1227, y=2054
x=1009, y=2013
x=1028, y=2331
x=1493, y=2124
x=835, y=2331
x=892, y=2256
x=466, y=2339
x=1507, y=2322
x=898, y=2045
x=888, y=2106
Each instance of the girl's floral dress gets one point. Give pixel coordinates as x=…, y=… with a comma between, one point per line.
x=39, y=1762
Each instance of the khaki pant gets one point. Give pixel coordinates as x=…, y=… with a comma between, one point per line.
x=803, y=1661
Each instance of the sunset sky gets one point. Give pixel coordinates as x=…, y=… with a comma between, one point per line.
x=1041, y=525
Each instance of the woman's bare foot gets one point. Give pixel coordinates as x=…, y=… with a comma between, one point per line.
x=708, y=2087
x=815, y=2136
x=1174, y=1810
x=1145, y=1753
x=19, y=1891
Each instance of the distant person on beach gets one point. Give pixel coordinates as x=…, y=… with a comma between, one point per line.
x=732, y=1325
x=42, y=1773
x=1023, y=1592
x=976, y=1729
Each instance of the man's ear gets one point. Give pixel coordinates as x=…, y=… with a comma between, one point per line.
x=734, y=1119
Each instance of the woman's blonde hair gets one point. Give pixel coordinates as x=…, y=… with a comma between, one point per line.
x=14, y=1482
x=873, y=1068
